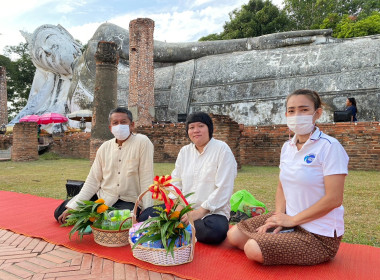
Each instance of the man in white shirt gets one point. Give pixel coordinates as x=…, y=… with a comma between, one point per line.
x=122, y=169
x=207, y=168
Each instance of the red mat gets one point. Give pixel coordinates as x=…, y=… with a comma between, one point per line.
x=33, y=216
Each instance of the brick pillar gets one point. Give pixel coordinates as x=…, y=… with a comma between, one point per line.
x=3, y=96
x=25, y=143
x=141, y=75
x=105, y=94
x=227, y=130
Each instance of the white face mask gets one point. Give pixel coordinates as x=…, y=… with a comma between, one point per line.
x=301, y=125
x=121, y=131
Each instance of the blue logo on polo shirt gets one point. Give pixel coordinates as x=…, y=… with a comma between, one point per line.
x=309, y=158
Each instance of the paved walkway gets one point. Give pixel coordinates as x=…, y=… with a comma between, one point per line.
x=23, y=257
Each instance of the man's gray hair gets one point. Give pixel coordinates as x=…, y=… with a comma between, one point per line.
x=121, y=110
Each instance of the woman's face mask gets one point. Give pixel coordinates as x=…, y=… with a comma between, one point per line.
x=121, y=131
x=301, y=124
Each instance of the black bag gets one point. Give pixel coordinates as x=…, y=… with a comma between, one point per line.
x=73, y=187
x=342, y=116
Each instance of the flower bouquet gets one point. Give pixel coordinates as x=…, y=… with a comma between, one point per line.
x=154, y=239
x=109, y=225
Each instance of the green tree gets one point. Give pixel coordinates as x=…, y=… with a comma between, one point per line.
x=331, y=21
x=20, y=73
x=211, y=37
x=350, y=26
x=256, y=18
x=311, y=14
x=359, y=8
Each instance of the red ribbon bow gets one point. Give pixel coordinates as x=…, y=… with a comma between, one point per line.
x=158, y=190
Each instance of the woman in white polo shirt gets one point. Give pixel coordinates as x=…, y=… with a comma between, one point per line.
x=207, y=168
x=307, y=225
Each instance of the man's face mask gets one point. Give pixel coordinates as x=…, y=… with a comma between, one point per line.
x=121, y=131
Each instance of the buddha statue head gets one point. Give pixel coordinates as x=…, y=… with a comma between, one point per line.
x=53, y=49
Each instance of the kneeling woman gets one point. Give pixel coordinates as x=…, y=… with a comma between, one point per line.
x=313, y=167
x=206, y=168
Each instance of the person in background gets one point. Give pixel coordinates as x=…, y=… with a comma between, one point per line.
x=207, y=168
x=351, y=106
x=122, y=169
x=307, y=225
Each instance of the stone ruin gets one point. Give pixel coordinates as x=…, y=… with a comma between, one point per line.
x=3, y=97
x=246, y=79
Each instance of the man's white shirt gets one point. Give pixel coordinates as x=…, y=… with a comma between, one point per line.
x=120, y=172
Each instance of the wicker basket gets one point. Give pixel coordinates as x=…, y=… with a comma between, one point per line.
x=158, y=256
x=111, y=238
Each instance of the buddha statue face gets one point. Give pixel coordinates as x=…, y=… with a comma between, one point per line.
x=53, y=49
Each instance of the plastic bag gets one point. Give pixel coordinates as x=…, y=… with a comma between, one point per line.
x=245, y=202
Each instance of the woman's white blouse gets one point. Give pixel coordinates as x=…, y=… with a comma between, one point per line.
x=210, y=175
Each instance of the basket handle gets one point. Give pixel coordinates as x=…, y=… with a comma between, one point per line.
x=122, y=223
x=191, y=222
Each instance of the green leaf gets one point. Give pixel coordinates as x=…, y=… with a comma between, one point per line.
x=185, y=210
x=79, y=224
x=94, y=207
x=87, y=202
x=164, y=228
x=171, y=248
x=187, y=236
x=186, y=196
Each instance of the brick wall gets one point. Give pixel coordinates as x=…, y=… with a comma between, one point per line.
x=227, y=130
x=94, y=146
x=25, y=143
x=261, y=145
x=76, y=145
x=361, y=142
x=3, y=96
x=167, y=139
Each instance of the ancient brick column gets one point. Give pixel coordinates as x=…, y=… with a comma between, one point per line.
x=141, y=75
x=227, y=130
x=105, y=94
x=25, y=143
x=3, y=96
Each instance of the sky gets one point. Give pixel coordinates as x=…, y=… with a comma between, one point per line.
x=175, y=20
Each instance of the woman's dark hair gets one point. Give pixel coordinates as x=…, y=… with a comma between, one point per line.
x=311, y=94
x=352, y=100
x=200, y=117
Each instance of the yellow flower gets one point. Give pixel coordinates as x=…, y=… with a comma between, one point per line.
x=174, y=215
x=100, y=200
x=180, y=225
x=102, y=208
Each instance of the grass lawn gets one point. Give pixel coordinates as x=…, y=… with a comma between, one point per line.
x=47, y=178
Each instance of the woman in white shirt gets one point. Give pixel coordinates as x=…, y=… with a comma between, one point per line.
x=309, y=196
x=207, y=168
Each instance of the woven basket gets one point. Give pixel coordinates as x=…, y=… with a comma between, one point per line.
x=111, y=238
x=158, y=256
